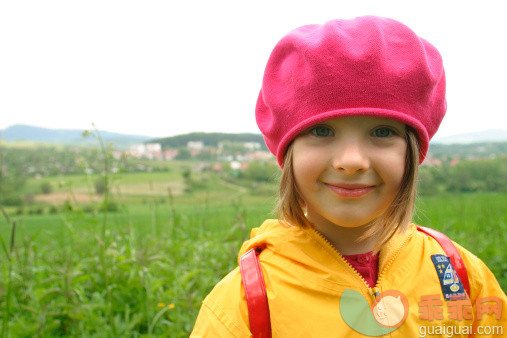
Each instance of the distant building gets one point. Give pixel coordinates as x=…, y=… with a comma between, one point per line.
x=261, y=155
x=170, y=154
x=252, y=145
x=153, y=147
x=137, y=150
x=454, y=161
x=117, y=154
x=235, y=165
x=432, y=162
x=149, y=150
x=195, y=145
x=217, y=167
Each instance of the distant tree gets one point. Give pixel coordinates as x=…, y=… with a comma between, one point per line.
x=466, y=176
x=232, y=148
x=12, y=176
x=205, y=155
x=100, y=186
x=260, y=172
x=426, y=184
x=484, y=175
x=209, y=139
x=46, y=188
x=183, y=154
x=186, y=174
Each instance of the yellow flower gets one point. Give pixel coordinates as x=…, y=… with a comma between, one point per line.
x=171, y=306
x=161, y=304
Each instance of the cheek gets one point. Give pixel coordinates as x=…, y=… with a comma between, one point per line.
x=301, y=172
x=307, y=168
x=395, y=166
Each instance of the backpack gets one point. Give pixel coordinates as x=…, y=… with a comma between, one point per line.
x=255, y=288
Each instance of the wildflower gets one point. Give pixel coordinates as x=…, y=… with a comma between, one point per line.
x=170, y=306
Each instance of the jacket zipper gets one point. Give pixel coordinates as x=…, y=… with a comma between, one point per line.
x=357, y=274
x=381, y=275
x=375, y=290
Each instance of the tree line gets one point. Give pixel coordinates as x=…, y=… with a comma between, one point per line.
x=208, y=139
x=465, y=176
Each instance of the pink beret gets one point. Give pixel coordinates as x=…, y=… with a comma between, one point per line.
x=367, y=66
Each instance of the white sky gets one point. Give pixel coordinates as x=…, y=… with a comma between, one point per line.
x=161, y=68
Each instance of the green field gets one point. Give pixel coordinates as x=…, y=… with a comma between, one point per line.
x=144, y=269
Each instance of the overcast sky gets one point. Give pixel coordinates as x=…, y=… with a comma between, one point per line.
x=161, y=68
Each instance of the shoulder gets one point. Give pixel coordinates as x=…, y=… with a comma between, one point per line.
x=224, y=312
x=482, y=281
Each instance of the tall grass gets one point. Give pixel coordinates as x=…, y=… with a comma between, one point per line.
x=157, y=279
x=477, y=221
x=7, y=272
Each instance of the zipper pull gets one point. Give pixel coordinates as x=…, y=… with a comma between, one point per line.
x=375, y=293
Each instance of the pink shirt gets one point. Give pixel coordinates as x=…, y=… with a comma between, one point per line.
x=367, y=266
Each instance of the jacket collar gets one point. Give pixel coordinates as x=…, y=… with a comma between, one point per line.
x=307, y=247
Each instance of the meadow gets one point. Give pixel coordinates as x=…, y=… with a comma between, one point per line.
x=143, y=269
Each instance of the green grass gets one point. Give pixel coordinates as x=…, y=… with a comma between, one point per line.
x=64, y=182
x=163, y=258
x=476, y=221
x=143, y=187
x=59, y=183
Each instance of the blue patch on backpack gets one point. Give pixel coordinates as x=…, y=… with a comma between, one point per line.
x=452, y=288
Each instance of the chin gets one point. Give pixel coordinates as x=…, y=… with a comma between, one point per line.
x=352, y=222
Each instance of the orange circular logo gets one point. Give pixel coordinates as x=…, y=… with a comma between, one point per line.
x=390, y=309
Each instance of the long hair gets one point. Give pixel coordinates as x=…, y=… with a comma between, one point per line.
x=397, y=216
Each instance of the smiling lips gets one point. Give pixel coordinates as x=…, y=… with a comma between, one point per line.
x=350, y=190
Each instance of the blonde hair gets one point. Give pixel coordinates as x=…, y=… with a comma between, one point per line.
x=396, y=217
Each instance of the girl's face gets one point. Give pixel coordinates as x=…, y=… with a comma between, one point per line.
x=349, y=170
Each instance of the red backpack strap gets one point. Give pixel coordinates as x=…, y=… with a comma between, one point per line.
x=452, y=253
x=255, y=291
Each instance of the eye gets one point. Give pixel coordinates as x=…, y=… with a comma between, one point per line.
x=322, y=131
x=383, y=132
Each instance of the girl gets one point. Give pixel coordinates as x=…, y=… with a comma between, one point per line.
x=348, y=109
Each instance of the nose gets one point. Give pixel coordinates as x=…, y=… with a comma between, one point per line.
x=351, y=157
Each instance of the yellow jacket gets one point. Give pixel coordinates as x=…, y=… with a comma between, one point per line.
x=306, y=279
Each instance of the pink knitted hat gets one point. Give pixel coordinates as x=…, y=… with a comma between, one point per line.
x=367, y=66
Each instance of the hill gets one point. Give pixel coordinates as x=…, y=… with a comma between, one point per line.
x=27, y=133
x=468, y=150
x=208, y=139
x=493, y=135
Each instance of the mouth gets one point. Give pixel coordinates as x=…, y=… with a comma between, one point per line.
x=350, y=190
